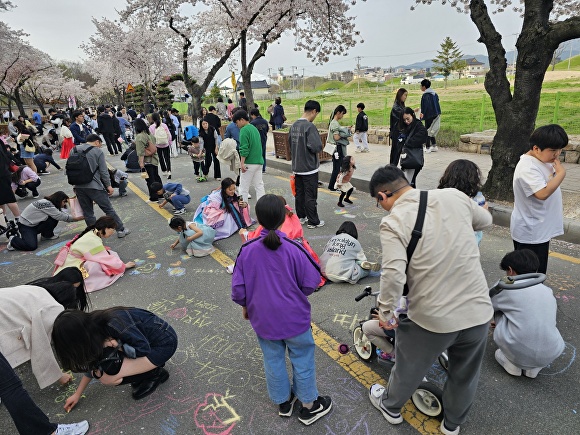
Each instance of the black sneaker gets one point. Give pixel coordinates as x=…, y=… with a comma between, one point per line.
x=287, y=407
x=320, y=408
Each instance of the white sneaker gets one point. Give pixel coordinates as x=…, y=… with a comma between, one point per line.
x=447, y=431
x=532, y=373
x=312, y=226
x=9, y=245
x=73, y=429
x=180, y=211
x=249, y=196
x=426, y=150
x=303, y=221
x=508, y=366
x=121, y=234
x=376, y=396
x=434, y=149
x=230, y=269
x=366, y=150
x=358, y=150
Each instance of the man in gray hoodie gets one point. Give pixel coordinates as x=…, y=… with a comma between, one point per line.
x=306, y=145
x=99, y=188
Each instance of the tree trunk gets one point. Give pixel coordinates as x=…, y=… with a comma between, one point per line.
x=18, y=101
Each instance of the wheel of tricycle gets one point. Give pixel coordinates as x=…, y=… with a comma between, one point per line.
x=428, y=399
x=362, y=345
x=444, y=361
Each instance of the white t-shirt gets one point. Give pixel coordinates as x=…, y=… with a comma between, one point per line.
x=534, y=220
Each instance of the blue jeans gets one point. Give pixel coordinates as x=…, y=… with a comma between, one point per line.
x=179, y=201
x=123, y=186
x=27, y=417
x=86, y=197
x=301, y=354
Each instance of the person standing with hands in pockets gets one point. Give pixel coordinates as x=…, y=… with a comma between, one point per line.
x=538, y=210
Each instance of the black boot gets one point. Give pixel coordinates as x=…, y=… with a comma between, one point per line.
x=147, y=386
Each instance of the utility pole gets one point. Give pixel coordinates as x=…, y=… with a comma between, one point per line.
x=570, y=54
x=293, y=84
x=280, y=75
x=302, y=81
x=358, y=72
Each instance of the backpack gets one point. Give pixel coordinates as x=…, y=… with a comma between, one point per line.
x=161, y=135
x=190, y=132
x=78, y=170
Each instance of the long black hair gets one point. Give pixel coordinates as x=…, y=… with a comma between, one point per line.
x=407, y=111
x=338, y=109
x=57, y=198
x=348, y=227
x=227, y=182
x=345, y=166
x=140, y=126
x=78, y=338
x=61, y=288
x=271, y=213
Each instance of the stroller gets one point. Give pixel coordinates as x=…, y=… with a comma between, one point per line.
x=10, y=228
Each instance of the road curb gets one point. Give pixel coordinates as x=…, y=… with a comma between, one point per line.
x=501, y=214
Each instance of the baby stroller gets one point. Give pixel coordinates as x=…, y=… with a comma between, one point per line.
x=428, y=398
x=10, y=228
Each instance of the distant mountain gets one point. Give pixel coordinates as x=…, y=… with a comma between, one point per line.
x=429, y=63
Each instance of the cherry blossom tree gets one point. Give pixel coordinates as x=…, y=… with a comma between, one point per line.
x=546, y=24
x=219, y=27
x=134, y=52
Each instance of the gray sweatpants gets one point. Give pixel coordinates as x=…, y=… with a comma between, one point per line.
x=416, y=349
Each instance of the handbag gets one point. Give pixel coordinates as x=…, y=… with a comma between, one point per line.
x=412, y=158
x=329, y=148
x=75, y=207
x=29, y=147
x=293, y=184
x=111, y=362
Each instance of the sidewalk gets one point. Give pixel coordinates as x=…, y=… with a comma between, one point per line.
x=428, y=178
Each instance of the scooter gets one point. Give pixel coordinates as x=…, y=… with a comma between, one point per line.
x=428, y=398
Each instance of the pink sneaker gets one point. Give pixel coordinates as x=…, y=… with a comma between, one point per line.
x=386, y=356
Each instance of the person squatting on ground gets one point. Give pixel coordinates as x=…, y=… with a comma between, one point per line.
x=118, y=180
x=41, y=217
x=172, y=193
x=343, y=259
x=343, y=180
x=144, y=342
x=274, y=294
x=446, y=311
x=43, y=160
x=25, y=179
x=538, y=210
x=101, y=267
x=525, y=320
x=306, y=145
x=196, y=239
x=360, y=130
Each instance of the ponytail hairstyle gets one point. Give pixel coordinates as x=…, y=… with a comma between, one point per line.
x=271, y=214
x=156, y=119
x=339, y=109
x=100, y=225
x=61, y=288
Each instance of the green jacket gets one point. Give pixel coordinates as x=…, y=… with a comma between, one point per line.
x=251, y=145
x=141, y=142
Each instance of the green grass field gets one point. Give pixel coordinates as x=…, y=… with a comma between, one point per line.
x=465, y=109
x=574, y=64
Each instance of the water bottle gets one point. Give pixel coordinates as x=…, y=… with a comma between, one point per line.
x=479, y=198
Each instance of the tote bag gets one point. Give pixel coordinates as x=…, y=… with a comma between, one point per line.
x=75, y=208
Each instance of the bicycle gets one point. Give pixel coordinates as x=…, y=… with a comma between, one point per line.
x=427, y=398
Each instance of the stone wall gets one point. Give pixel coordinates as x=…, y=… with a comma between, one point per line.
x=481, y=142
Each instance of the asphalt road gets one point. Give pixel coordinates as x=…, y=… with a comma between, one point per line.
x=216, y=384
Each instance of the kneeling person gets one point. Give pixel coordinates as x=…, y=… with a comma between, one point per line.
x=173, y=193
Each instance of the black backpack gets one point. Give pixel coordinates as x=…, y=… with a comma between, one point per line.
x=78, y=170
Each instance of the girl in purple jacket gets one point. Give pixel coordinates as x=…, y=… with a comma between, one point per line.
x=274, y=294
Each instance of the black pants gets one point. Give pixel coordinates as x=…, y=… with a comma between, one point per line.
x=342, y=195
x=430, y=139
x=164, y=159
x=337, y=158
x=27, y=417
x=306, y=196
x=196, y=167
x=396, y=148
x=111, y=143
x=217, y=170
x=153, y=173
x=542, y=250
x=32, y=186
x=28, y=239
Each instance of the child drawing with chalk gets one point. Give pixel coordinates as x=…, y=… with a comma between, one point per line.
x=195, y=238
x=273, y=293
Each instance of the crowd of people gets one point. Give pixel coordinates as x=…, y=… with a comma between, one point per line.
x=123, y=345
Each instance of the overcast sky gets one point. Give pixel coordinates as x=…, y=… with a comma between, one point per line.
x=393, y=34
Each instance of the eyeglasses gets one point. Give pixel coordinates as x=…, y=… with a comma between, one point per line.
x=388, y=194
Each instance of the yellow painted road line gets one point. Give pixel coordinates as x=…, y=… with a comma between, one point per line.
x=565, y=257
x=349, y=362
